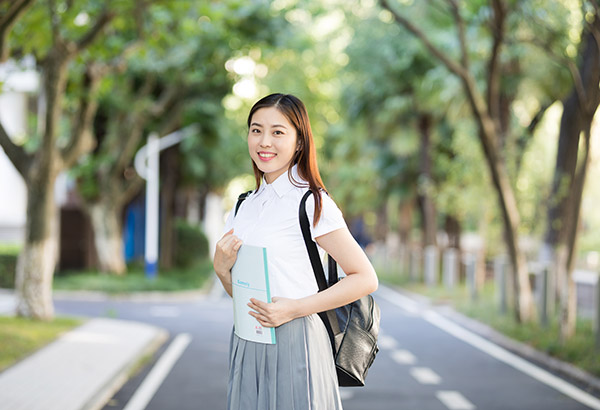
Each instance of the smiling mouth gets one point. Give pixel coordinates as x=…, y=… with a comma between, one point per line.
x=266, y=156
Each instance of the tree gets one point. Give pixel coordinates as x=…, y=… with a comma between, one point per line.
x=402, y=106
x=572, y=161
x=56, y=34
x=10, y=15
x=177, y=79
x=487, y=112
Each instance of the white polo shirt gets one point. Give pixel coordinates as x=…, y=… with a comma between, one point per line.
x=269, y=218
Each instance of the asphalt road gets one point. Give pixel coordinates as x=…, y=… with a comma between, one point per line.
x=426, y=362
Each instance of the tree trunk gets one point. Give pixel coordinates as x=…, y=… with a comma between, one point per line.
x=569, y=307
x=382, y=226
x=405, y=222
x=452, y=228
x=169, y=160
x=564, y=172
x=577, y=117
x=202, y=196
x=37, y=259
x=108, y=236
x=426, y=183
x=404, y=228
x=524, y=308
x=564, y=205
x=567, y=295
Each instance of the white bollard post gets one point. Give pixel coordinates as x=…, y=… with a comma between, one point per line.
x=543, y=275
x=470, y=262
x=415, y=264
x=551, y=300
x=597, y=313
x=500, y=279
x=431, y=265
x=402, y=257
x=450, y=267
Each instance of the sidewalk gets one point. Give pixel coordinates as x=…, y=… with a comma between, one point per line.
x=82, y=369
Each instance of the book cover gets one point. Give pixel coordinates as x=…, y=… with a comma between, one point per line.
x=250, y=279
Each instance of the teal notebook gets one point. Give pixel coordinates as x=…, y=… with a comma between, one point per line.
x=250, y=279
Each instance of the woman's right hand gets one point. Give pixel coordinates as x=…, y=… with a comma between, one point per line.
x=226, y=255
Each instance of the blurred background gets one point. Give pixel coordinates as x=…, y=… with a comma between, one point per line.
x=458, y=138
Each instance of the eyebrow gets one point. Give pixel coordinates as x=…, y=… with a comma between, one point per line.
x=274, y=125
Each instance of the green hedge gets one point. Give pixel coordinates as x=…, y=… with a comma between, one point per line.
x=191, y=244
x=8, y=267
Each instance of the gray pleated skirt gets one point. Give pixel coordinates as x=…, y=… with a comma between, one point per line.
x=296, y=373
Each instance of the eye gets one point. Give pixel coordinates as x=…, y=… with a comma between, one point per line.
x=254, y=130
x=278, y=132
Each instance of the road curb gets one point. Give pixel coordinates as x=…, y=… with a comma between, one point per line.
x=560, y=367
x=150, y=296
x=83, y=368
x=113, y=385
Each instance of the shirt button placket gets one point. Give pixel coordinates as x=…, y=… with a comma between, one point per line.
x=264, y=202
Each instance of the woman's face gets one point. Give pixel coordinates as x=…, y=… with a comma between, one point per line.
x=272, y=142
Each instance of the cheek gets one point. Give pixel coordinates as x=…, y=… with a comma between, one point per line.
x=251, y=143
x=285, y=149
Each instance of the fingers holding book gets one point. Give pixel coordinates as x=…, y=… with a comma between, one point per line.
x=276, y=313
x=226, y=255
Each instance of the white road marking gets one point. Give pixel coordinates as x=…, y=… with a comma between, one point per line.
x=165, y=311
x=386, y=342
x=403, y=357
x=425, y=375
x=491, y=349
x=399, y=300
x=454, y=400
x=513, y=360
x=159, y=372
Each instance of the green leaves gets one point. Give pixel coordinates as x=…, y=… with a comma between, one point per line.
x=364, y=79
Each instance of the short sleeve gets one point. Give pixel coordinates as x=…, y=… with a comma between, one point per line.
x=331, y=218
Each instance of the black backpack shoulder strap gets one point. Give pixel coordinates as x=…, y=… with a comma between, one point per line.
x=313, y=252
x=240, y=200
x=311, y=246
x=328, y=318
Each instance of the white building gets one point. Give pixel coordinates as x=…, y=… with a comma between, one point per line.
x=18, y=83
x=19, y=97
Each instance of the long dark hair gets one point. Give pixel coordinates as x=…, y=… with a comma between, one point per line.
x=306, y=156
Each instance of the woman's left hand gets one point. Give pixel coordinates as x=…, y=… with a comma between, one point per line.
x=276, y=313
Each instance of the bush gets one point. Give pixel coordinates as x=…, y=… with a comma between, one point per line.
x=176, y=279
x=191, y=244
x=8, y=267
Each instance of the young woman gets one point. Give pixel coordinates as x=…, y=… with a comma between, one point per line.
x=298, y=371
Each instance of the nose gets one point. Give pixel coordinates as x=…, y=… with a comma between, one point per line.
x=265, y=141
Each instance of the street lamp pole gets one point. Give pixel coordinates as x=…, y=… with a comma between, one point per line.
x=147, y=165
x=152, y=205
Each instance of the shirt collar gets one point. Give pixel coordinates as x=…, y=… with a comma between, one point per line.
x=282, y=185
